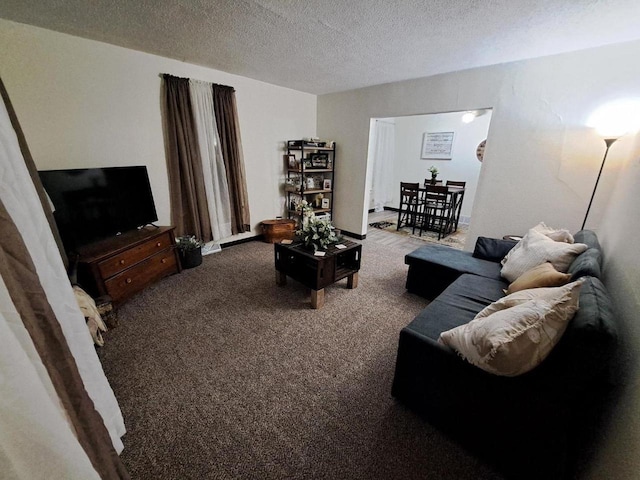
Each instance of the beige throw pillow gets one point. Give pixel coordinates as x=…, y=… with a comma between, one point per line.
x=515, y=334
x=543, y=275
x=535, y=249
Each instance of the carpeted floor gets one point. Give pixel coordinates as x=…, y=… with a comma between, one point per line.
x=222, y=374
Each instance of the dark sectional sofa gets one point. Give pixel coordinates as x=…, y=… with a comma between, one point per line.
x=524, y=425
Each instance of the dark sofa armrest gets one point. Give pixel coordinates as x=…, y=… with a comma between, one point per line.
x=492, y=249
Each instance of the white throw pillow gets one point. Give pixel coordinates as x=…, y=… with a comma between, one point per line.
x=555, y=234
x=535, y=249
x=515, y=334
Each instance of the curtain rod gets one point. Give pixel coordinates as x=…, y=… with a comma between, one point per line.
x=164, y=75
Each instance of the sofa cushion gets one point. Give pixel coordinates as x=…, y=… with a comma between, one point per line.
x=458, y=304
x=535, y=249
x=588, y=263
x=515, y=334
x=589, y=238
x=589, y=343
x=492, y=249
x=543, y=275
x=452, y=259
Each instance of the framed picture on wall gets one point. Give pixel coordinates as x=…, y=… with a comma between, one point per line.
x=437, y=145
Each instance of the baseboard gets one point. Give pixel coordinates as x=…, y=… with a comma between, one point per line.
x=354, y=235
x=260, y=238
x=393, y=209
x=256, y=238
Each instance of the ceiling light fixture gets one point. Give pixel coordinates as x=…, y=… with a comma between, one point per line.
x=469, y=117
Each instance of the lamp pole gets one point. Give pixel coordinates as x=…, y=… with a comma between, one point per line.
x=609, y=142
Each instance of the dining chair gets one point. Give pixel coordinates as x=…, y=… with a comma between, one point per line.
x=438, y=211
x=459, y=198
x=410, y=205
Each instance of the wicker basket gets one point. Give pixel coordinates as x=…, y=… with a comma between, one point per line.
x=277, y=230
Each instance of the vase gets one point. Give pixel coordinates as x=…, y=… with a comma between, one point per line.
x=433, y=179
x=190, y=258
x=311, y=247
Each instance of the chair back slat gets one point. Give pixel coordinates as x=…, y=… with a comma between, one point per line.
x=456, y=183
x=427, y=182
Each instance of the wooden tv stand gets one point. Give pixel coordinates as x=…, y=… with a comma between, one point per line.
x=124, y=265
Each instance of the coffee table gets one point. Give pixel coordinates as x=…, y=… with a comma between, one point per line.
x=317, y=272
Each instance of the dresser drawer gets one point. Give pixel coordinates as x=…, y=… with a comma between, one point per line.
x=118, y=263
x=136, y=278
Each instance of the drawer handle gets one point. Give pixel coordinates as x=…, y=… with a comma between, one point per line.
x=128, y=280
x=164, y=260
x=159, y=244
x=121, y=262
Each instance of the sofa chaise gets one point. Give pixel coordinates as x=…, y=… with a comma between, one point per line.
x=525, y=425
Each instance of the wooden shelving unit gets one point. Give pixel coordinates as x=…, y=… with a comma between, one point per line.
x=305, y=180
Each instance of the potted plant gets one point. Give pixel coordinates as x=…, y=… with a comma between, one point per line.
x=434, y=174
x=315, y=233
x=189, y=250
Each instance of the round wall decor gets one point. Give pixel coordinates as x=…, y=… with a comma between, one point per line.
x=480, y=150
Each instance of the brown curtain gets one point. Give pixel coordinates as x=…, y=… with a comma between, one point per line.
x=189, y=211
x=224, y=105
x=31, y=166
x=26, y=292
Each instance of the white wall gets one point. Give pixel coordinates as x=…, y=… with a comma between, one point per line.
x=540, y=160
x=83, y=103
x=540, y=164
x=463, y=164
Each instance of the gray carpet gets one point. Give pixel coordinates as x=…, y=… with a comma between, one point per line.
x=222, y=374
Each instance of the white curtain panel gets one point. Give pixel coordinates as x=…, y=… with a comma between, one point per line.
x=23, y=205
x=384, y=156
x=215, y=174
x=36, y=440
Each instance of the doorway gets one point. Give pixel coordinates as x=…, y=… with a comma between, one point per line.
x=403, y=149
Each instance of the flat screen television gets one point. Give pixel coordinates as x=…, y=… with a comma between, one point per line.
x=92, y=204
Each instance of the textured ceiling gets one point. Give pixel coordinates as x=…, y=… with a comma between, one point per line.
x=322, y=46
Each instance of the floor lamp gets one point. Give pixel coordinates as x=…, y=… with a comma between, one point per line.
x=611, y=121
x=609, y=142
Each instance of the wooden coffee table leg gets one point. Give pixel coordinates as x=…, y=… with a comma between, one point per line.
x=281, y=278
x=352, y=280
x=317, y=298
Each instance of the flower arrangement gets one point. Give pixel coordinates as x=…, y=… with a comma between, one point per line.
x=316, y=233
x=434, y=171
x=188, y=242
x=305, y=209
x=189, y=251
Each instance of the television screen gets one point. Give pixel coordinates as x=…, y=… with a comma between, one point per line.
x=95, y=203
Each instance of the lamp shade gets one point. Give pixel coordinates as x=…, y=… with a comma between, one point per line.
x=617, y=118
